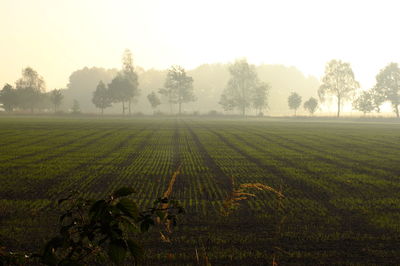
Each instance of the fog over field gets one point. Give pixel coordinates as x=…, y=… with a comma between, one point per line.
x=213, y=132
x=290, y=42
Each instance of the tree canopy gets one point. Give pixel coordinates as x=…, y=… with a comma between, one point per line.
x=101, y=97
x=388, y=85
x=364, y=103
x=178, y=87
x=56, y=98
x=30, y=88
x=294, y=101
x=338, y=81
x=132, y=90
x=311, y=105
x=76, y=108
x=260, y=97
x=244, y=90
x=124, y=86
x=153, y=100
x=8, y=98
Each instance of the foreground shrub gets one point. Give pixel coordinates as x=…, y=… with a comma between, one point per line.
x=99, y=231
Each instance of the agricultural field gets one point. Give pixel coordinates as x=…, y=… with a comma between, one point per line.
x=340, y=181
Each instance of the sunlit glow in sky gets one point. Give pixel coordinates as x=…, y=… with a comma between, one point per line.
x=58, y=37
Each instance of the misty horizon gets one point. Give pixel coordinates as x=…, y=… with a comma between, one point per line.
x=304, y=34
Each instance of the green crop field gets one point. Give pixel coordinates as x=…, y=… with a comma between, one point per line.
x=340, y=179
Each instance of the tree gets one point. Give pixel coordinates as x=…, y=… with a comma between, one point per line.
x=76, y=109
x=124, y=86
x=119, y=90
x=294, y=101
x=260, y=96
x=227, y=103
x=130, y=74
x=101, y=232
x=242, y=88
x=364, y=103
x=388, y=85
x=56, y=98
x=178, y=87
x=82, y=83
x=30, y=88
x=311, y=105
x=378, y=98
x=101, y=97
x=338, y=81
x=9, y=98
x=153, y=100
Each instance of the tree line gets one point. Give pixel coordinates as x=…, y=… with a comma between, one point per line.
x=122, y=89
x=244, y=91
x=339, y=83
x=178, y=88
x=29, y=94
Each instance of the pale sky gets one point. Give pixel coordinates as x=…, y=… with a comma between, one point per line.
x=57, y=37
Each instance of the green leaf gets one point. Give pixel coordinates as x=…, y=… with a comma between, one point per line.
x=135, y=250
x=129, y=225
x=117, y=251
x=128, y=207
x=145, y=225
x=122, y=192
x=97, y=207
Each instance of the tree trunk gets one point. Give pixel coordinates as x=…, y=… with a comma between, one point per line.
x=123, y=108
x=244, y=98
x=396, y=108
x=180, y=108
x=102, y=111
x=295, y=112
x=338, y=107
x=129, y=106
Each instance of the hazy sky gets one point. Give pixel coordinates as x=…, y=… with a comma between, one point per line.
x=56, y=37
